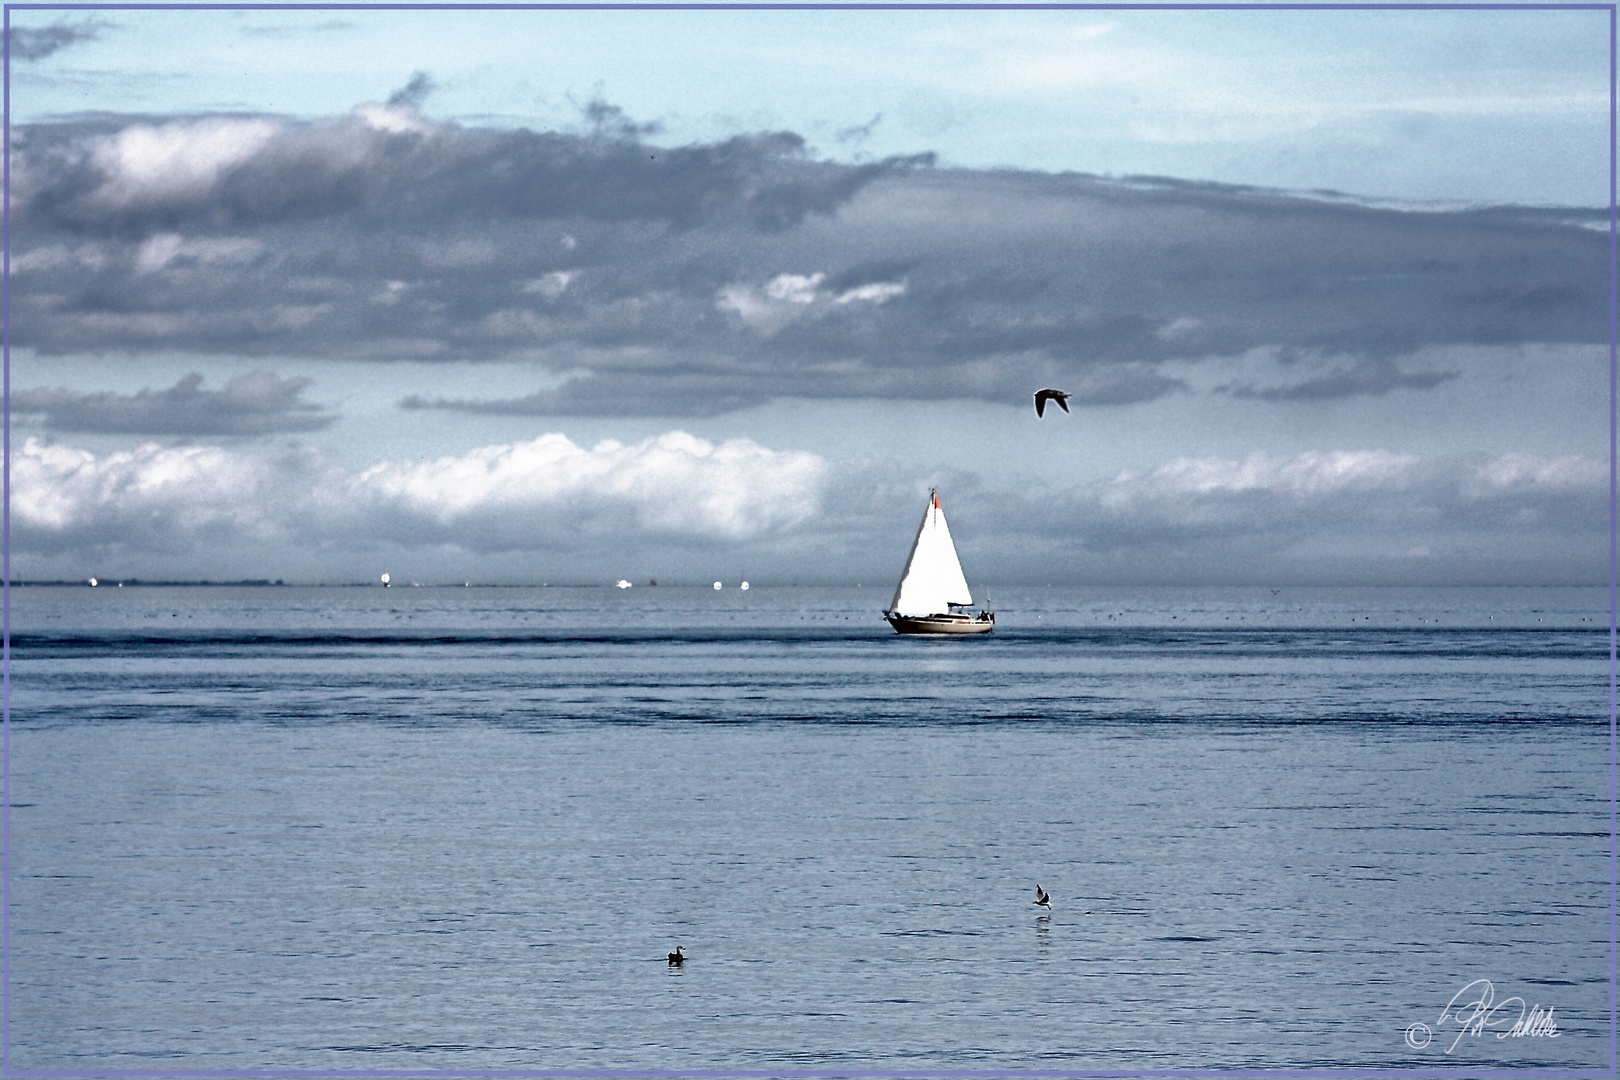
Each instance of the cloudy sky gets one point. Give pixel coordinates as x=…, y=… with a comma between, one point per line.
x=570, y=296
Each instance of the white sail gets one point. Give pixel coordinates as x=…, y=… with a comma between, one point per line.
x=933, y=579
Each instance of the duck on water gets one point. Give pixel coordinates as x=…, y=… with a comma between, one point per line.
x=933, y=585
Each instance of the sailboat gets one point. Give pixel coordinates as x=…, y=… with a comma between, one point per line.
x=933, y=584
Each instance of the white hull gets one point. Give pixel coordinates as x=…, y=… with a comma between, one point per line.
x=982, y=623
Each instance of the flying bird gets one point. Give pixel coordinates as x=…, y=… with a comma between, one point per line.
x=1043, y=396
x=1042, y=899
x=677, y=957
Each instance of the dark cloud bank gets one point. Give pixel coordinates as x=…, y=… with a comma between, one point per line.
x=698, y=279
x=256, y=404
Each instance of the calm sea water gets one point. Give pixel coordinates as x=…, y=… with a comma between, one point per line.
x=358, y=828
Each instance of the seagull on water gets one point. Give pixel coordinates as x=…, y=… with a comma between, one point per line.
x=1042, y=899
x=677, y=957
x=1043, y=396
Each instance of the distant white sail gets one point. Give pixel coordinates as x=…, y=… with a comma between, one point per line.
x=933, y=580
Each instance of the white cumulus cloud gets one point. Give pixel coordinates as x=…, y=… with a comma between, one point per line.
x=153, y=495
x=146, y=164
x=1525, y=473
x=548, y=493
x=788, y=297
x=393, y=119
x=1322, y=513
x=673, y=485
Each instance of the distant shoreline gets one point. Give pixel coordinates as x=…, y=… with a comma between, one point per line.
x=82, y=583
x=259, y=583
x=133, y=582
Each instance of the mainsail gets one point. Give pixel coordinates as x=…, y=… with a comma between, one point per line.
x=933, y=579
